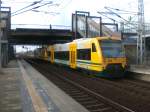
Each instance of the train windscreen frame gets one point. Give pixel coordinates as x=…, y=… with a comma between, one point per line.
x=112, y=48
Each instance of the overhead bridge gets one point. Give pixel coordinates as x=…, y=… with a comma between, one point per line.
x=39, y=36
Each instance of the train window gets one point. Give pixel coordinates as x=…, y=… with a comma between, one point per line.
x=93, y=47
x=84, y=54
x=49, y=53
x=63, y=55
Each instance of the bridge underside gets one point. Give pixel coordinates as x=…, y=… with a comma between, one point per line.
x=39, y=36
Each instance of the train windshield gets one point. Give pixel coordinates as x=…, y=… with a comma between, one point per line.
x=112, y=48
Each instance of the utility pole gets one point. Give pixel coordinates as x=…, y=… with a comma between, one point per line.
x=141, y=29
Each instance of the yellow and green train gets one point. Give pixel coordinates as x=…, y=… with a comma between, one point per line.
x=101, y=56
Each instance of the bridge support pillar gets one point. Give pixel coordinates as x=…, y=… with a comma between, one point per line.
x=5, y=14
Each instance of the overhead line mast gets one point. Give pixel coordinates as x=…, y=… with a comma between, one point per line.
x=141, y=29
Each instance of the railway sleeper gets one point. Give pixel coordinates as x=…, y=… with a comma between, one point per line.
x=92, y=102
x=76, y=93
x=82, y=96
x=94, y=105
x=85, y=100
x=106, y=109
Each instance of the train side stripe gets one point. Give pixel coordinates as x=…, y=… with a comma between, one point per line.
x=88, y=62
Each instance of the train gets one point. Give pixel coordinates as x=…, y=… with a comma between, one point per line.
x=100, y=56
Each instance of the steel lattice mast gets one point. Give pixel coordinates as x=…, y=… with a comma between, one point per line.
x=140, y=39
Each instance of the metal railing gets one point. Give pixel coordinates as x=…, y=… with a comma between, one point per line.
x=132, y=28
x=91, y=26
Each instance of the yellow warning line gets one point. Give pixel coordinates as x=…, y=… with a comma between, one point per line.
x=38, y=104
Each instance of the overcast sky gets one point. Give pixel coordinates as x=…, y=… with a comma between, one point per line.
x=64, y=8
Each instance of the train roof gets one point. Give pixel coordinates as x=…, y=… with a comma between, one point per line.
x=111, y=38
x=99, y=38
x=61, y=44
x=88, y=39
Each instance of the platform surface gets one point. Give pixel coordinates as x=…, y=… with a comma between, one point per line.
x=142, y=72
x=24, y=89
x=10, y=98
x=54, y=99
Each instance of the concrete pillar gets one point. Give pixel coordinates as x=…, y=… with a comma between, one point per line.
x=4, y=34
x=0, y=35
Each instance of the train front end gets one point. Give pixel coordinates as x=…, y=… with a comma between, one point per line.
x=114, y=60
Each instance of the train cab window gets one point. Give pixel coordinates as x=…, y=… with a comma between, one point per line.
x=93, y=47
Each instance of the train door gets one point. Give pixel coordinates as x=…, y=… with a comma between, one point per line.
x=94, y=57
x=72, y=55
x=52, y=55
x=48, y=53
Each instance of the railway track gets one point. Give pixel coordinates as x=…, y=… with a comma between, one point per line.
x=91, y=100
x=134, y=94
x=137, y=88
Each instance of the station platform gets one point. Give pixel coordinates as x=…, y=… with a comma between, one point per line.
x=24, y=89
x=10, y=99
x=141, y=72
